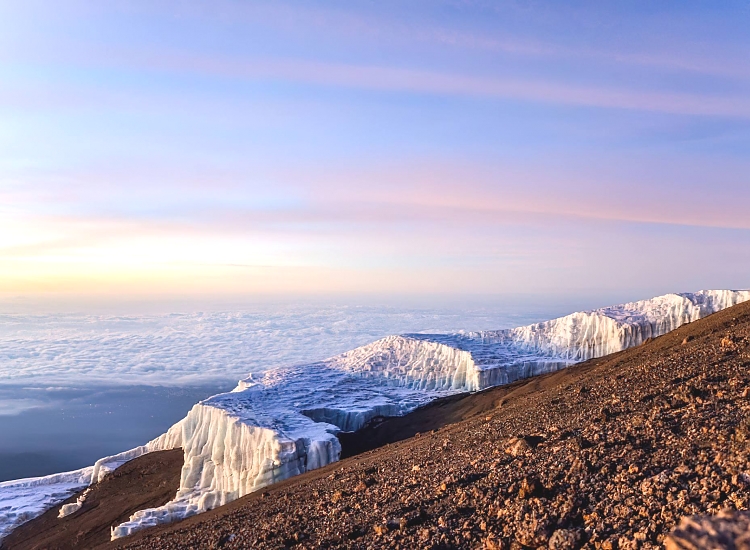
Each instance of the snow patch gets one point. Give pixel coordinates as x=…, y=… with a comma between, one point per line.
x=73, y=507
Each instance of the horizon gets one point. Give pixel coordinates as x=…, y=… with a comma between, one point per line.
x=145, y=305
x=181, y=154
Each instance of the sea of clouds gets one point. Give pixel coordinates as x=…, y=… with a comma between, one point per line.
x=53, y=350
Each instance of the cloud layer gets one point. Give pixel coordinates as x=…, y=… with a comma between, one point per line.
x=183, y=349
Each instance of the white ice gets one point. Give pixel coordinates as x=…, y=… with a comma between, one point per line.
x=73, y=507
x=25, y=499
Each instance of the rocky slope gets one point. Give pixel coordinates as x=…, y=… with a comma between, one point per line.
x=607, y=454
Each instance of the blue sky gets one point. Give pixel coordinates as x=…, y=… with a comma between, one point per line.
x=262, y=148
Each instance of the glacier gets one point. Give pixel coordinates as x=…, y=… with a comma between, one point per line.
x=285, y=422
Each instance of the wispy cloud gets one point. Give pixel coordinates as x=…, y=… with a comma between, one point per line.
x=347, y=24
x=391, y=79
x=718, y=65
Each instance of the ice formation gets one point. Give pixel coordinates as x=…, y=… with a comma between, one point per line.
x=73, y=507
x=266, y=431
x=286, y=422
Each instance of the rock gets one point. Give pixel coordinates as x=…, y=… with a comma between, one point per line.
x=533, y=523
x=394, y=524
x=517, y=446
x=361, y=486
x=529, y=487
x=493, y=543
x=564, y=539
x=727, y=342
x=727, y=529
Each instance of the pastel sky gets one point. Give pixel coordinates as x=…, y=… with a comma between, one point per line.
x=429, y=147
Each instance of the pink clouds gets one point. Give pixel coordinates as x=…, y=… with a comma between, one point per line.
x=398, y=79
x=417, y=81
x=471, y=193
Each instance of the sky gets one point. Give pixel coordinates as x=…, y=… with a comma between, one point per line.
x=436, y=148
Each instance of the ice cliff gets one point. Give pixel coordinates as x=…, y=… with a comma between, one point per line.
x=268, y=430
x=285, y=423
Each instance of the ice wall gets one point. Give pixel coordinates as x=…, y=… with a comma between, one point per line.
x=227, y=455
x=449, y=363
x=586, y=335
x=421, y=363
x=266, y=431
x=477, y=360
x=284, y=424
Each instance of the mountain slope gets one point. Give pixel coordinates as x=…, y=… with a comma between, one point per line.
x=606, y=454
x=287, y=422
